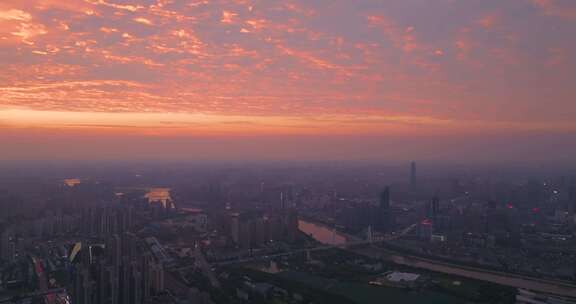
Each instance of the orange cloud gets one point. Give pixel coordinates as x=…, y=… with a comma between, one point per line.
x=17, y=26
x=14, y=14
x=256, y=24
x=27, y=31
x=553, y=8
x=108, y=30
x=488, y=21
x=228, y=17
x=127, y=7
x=246, y=59
x=143, y=20
x=404, y=38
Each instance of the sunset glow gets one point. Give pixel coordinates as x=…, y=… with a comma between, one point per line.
x=161, y=68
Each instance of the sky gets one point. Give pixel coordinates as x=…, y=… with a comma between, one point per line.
x=292, y=79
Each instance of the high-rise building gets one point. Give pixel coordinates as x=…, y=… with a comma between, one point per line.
x=11, y=251
x=124, y=281
x=5, y=251
x=433, y=208
x=126, y=270
x=83, y=285
x=102, y=287
x=156, y=277
x=253, y=229
x=384, y=217
x=235, y=227
x=146, y=261
x=112, y=275
x=572, y=198
x=290, y=225
x=135, y=284
x=425, y=229
x=283, y=200
x=114, y=249
x=385, y=199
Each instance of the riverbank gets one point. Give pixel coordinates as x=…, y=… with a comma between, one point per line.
x=401, y=258
x=556, y=288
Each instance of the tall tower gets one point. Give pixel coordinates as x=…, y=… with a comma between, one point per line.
x=433, y=208
x=5, y=253
x=572, y=199
x=385, y=199
x=413, y=176
x=369, y=235
x=283, y=201
x=384, y=217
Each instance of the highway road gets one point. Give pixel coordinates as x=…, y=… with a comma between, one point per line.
x=559, y=288
x=388, y=238
x=555, y=287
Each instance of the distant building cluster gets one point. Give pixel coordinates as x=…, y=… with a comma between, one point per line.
x=122, y=271
x=104, y=244
x=252, y=229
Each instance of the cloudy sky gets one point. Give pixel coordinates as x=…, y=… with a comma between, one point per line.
x=176, y=79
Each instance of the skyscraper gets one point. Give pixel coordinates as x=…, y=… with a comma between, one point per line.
x=114, y=249
x=5, y=252
x=413, y=175
x=385, y=199
x=384, y=218
x=433, y=208
x=572, y=198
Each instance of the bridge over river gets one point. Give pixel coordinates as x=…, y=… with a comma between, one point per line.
x=334, y=238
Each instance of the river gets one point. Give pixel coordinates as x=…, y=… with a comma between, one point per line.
x=330, y=236
x=321, y=233
x=158, y=194
x=513, y=280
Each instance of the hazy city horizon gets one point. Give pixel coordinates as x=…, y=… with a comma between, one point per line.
x=287, y=152
x=536, y=147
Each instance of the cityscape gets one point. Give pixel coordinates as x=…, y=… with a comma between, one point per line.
x=287, y=152
x=304, y=233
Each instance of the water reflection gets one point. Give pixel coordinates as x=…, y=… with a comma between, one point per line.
x=321, y=233
x=158, y=195
x=71, y=182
